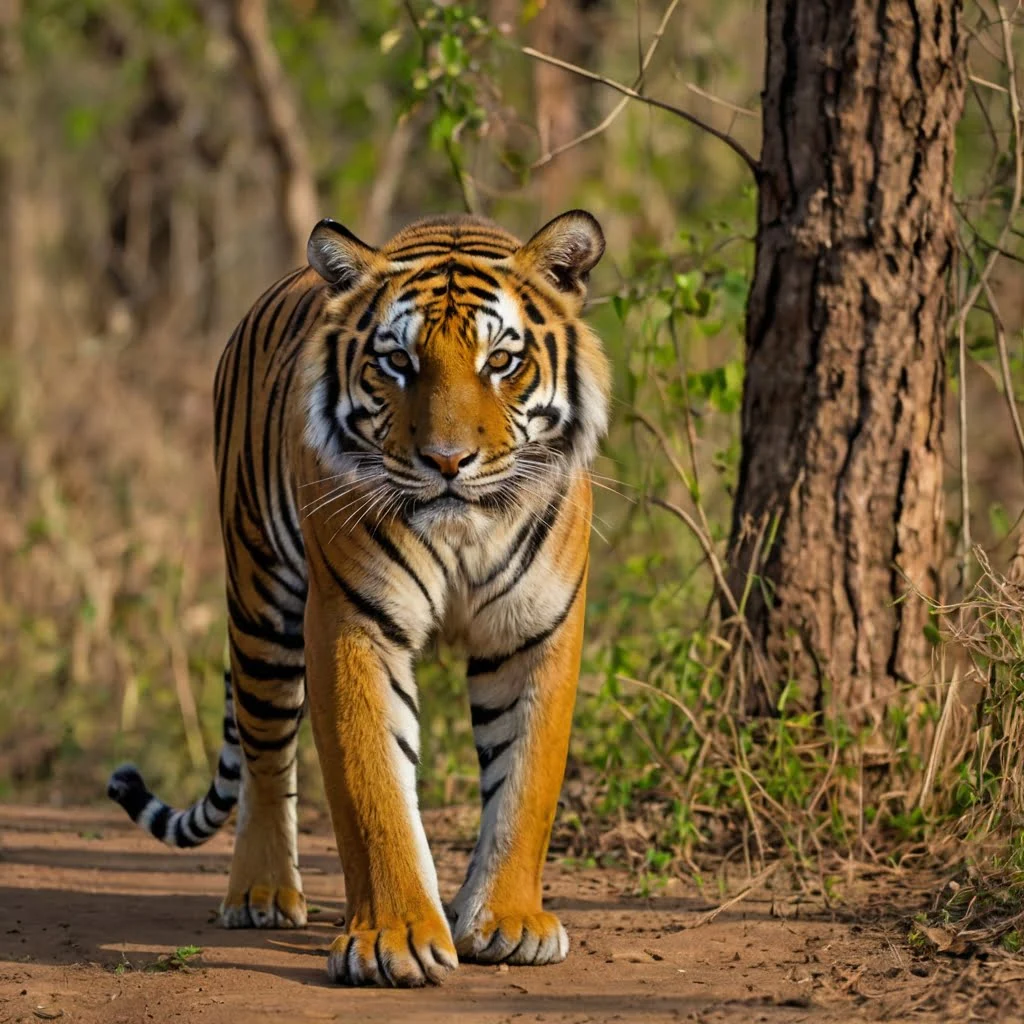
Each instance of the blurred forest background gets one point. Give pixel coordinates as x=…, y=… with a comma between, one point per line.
x=162, y=161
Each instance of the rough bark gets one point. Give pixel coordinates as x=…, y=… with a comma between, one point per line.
x=842, y=415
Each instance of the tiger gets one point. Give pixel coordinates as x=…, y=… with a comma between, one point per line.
x=403, y=442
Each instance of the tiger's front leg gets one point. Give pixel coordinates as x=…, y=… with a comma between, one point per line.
x=364, y=714
x=522, y=705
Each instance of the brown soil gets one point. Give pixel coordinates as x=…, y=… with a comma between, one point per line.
x=82, y=892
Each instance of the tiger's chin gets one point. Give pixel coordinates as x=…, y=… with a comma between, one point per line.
x=451, y=518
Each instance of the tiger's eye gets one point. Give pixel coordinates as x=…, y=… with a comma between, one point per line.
x=499, y=361
x=398, y=360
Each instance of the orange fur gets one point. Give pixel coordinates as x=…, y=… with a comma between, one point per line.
x=403, y=442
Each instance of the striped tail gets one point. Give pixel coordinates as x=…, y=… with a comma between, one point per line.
x=194, y=826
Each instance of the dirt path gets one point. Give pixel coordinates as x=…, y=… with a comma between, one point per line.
x=82, y=892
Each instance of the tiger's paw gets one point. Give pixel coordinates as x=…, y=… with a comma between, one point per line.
x=401, y=956
x=528, y=939
x=264, y=906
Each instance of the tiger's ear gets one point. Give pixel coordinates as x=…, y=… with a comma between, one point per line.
x=565, y=250
x=338, y=256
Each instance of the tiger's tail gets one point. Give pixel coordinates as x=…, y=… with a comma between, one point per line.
x=197, y=824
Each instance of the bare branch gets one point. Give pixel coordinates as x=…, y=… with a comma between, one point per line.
x=591, y=76
x=978, y=80
x=621, y=105
x=1004, y=364
x=965, y=500
x=712, y=98
x=1018, y=165
x=297, y=186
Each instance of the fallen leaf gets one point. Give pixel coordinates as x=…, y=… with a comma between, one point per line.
x=946, y=940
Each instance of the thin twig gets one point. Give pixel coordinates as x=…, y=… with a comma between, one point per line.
x=1004, y=365
x=621, y=105
x=924, y=797
x=965, y=499
x=736, y=147
x=1018, y=164
x=755, y=883
x=712, y=98
x=987, y=84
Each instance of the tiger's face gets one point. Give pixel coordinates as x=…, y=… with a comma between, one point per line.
x=453, y=370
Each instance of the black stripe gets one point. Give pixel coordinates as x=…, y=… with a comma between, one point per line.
x=215, y=800
x=538, y=534
x=572, y=388
x=180, y=839
x=488, y=254
x=266, y=458
x=228, y=358
x=268, y=334
x=407, y=750
x=256, y=743
x=348, y=950
x=248, y=457
x=388, y=547
x=550, y=412
x=262, y=670
x=487, y=794
x=415, y=954
x=237, y=342
x=295, y=325
x=418, y=250
x=270, y=599
x=158, y=826
x=260, y=629
x=525, y=394
x=484, y=276
x=532, y=311
x=227, y=772
x=552, y=347
x=371, y=610
x=488, y=755
x=226, y=401
x=332, y=388
x=203, y=828
x=517, y=543
x=480, y=715
x=380, y=960
x=405, y=698
x=364, y=320
x=484, y=666
x=265, y=710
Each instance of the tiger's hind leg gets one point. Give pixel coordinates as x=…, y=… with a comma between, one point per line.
x=267, y=664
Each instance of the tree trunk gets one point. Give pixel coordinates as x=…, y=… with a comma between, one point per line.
x=839, y=507
x=14, y=213
x=565, y=28
x=297, y=197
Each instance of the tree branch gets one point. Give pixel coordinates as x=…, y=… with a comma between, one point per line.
x=621, y=105
x=736, y=147
x=1018, y=161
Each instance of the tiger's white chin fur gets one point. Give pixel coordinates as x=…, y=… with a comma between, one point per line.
x=453, y=520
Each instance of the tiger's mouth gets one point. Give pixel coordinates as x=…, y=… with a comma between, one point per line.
x=450, y=499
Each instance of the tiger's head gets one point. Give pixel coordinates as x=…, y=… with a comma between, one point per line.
x=452, y=368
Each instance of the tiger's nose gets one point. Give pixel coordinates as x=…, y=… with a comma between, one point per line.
x=446, y=461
